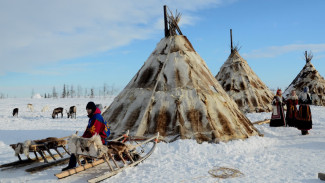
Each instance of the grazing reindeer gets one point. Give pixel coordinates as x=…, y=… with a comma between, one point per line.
x=56, y=112
x=45, y=108
x=72, y=112
x=15, y=112
x=30, y=107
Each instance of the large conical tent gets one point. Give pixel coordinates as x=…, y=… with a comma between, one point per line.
x=175, y=94
x=243, y=85
x=311, y=78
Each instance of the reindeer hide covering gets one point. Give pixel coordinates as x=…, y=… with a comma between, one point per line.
x=86, y=146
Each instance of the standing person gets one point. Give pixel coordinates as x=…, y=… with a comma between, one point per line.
x=277, y=118
x=292, y=102
x=304, y=115
x=96, y=125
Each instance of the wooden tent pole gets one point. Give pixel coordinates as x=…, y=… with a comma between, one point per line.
x=232, y=48
x=165, y=21
x=152, y=98
x=306, y=56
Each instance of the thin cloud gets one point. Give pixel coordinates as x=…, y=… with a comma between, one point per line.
x=274, y=51
x=43, y=32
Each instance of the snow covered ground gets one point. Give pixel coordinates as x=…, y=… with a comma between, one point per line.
x=282, y=155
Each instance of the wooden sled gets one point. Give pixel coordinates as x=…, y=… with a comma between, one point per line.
x=40, y=148
x=110, y=157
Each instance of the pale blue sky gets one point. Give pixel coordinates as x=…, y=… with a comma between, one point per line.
x=88, y=43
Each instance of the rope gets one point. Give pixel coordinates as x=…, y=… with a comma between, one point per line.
x=220, y=173
x=224, y=172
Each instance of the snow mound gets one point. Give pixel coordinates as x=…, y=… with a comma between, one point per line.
x=37, y=96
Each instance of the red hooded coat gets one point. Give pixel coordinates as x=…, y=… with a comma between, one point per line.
x=96, y=125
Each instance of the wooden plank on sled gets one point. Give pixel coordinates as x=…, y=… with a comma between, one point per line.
x=321, y=176
x=262, y=122
x=79, y=169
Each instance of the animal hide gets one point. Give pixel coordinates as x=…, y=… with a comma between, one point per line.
x=92, y=147
x=23, y=148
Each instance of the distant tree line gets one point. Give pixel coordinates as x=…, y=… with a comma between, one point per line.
x=70, y=91
x=3, y=96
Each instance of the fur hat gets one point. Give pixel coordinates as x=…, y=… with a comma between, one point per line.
x=278, y=92
x=92, y=106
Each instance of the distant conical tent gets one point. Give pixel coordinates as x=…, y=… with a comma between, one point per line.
x=311, y=78
x=243, y=85
x=175, y=94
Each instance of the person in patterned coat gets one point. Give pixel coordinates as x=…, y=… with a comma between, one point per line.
x=277, y=118
x=291, y=115
x=304, y=118
x=96, y=125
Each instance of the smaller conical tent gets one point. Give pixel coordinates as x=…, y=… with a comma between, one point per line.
x=311, y=78
x=175, y=94
x=243, y=85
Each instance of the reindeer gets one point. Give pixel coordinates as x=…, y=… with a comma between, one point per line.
x=15, y=112
x=45, y=108
x=72, y=112
x=56, y=112
x=30, y=107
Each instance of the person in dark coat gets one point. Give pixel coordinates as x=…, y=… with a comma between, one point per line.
x=304, y=118
x=96, y=125
x=291, y=115
x=277, y=118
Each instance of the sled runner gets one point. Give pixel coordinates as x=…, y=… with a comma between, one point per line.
x=119, y=154
x=40, y=148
